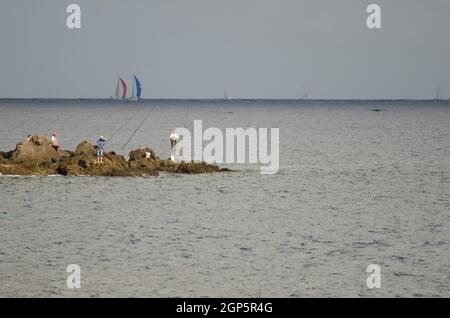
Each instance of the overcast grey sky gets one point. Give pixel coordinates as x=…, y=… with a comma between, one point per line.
x=198, y=48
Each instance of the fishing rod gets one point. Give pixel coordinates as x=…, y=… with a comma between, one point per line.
x=120, y=128
x=135, y=131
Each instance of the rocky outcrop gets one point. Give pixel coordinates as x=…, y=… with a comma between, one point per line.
x=83, y=162
x=37, y=157
x=35, y=150
x=197, y=167
x=189, y=167
x=142, y=153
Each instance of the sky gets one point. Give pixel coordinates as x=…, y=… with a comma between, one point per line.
x=200, y=48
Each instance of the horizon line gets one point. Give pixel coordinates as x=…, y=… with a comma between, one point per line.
x=218, y=99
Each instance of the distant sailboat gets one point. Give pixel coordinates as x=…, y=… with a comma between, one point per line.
x=227, y=95
x=305, y=95
x=137, y=89
x=121, y=83
x=438, y=93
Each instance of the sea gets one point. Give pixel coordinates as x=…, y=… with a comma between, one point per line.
x=360, y=184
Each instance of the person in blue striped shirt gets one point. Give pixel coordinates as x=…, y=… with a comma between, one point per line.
x=101, y=142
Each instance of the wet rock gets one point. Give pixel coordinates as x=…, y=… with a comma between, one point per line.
x=28, y=169
x=198, y=167
x=108, y=169
x=189, y=167
x=145, y=167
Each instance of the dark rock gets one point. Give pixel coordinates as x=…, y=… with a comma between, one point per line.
x=5, y=155
x=197, y=167
x=140, y=153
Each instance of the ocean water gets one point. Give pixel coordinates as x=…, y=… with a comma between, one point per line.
x=355, y=187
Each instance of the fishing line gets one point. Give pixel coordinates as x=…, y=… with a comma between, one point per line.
x=135, y=131
x=121, y=127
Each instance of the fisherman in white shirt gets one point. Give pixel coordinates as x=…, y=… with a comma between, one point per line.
x=54, y=143
x=173, y=143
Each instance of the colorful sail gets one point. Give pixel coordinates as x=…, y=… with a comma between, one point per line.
x=124, y=88
x=138, y=87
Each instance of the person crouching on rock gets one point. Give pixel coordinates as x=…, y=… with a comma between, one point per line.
x=101, y=142
x=54, y=143
x=173, y=142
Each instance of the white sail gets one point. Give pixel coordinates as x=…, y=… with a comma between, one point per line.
x=227, y=95
x=305, y=93
x=117, y=94
x=132, y=97
x=133, y=89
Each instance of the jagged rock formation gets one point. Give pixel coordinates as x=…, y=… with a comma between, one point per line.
x=37, y=149
x=37, y=157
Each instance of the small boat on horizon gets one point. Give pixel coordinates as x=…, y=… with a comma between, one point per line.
x=438, y=93
x=227, y=95
x=305, y=95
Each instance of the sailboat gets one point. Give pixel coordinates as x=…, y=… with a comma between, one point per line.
x=121, y=83
x=227, y=95
x=438, y=93
x=305, y=95
x=136, y=89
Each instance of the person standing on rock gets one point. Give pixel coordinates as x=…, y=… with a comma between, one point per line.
x=101, y=142
x=54, y=143
x=173, y=143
